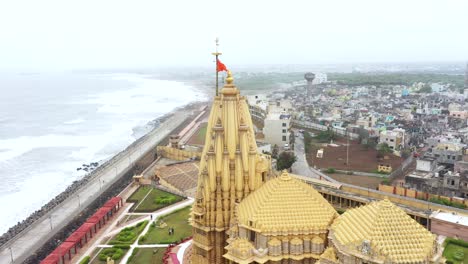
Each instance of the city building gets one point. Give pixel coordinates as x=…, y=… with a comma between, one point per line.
x=276, y=129
x=395, y=138
x=448, y=152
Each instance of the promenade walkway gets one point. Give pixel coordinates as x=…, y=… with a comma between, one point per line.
x=32, y=238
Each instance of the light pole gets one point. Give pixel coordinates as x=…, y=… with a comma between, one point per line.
x=11, y=254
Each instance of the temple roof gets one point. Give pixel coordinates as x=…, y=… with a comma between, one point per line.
x=387, y=230
x=329, y=254
x=286, y=205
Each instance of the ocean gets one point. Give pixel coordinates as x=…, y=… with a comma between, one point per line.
x=52, y=124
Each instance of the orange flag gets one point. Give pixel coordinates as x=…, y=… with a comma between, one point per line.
x=220, y=66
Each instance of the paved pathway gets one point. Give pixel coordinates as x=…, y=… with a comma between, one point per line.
x=300, y=166
x=43, y=229
x=156, y=215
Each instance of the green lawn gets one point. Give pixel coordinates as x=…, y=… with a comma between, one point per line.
x=155, y=199
x=177, y=220
x=202, y=133
x=128, y=235
x=147, y=255
x=456, y=253
x=139, y=193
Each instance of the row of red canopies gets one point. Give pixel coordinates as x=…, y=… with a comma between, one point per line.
x=65, y=251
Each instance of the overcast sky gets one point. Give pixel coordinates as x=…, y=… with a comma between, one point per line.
x=43, y=34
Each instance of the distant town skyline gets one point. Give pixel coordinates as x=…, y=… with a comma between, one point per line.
x=86, y=34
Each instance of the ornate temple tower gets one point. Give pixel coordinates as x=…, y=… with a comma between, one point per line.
x=230, y=169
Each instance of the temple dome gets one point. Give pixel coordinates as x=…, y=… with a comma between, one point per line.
x=286, y=205
x=383, y=229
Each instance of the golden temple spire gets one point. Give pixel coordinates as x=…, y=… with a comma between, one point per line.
x=230, y=169
x=229, y=78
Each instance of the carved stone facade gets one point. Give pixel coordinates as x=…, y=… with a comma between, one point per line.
x=230, y=169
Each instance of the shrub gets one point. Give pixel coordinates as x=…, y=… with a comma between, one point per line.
x=85, y=260
x=122, y=246
x=331, y=170
x=128, y=235
x=458, y=242
x=458, y=254
x=447, y=202
x=113, y=253
x=165, y=199
x=141, y=239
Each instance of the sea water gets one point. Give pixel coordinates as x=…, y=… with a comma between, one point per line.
x=52, y=124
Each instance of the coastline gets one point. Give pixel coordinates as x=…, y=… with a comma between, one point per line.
x=23, y=225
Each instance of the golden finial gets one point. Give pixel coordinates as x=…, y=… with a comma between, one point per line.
x=229, y=78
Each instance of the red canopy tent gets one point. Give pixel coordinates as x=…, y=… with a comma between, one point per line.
x=103, y=212
x=66, y=249
x=87, y=228
x=76, y=238
x=113, y=202
x=51, y=259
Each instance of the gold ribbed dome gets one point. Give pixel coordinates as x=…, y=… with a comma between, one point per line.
x=286, y=205
x=387, y=230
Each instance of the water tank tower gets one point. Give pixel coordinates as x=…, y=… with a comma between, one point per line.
x=309, y=78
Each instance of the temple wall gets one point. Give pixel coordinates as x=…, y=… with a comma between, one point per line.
x=177, y=154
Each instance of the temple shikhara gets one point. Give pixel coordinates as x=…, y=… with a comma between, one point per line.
x=244, y=212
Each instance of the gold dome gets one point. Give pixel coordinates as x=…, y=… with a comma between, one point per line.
x=384, y=229
x=286, y=205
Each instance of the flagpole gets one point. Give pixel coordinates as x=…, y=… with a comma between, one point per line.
x=216, y=54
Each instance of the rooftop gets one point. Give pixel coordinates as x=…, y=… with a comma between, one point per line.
x=451, y=217
x=392, y=235
x=286, y=204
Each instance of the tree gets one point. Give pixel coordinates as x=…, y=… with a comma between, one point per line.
x=275, y=151
x=425, y=89
x=285, y=160
x=383, y=149
x=326, y=136
x=405, y=153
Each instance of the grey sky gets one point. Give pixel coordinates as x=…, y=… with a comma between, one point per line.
x=99, y=34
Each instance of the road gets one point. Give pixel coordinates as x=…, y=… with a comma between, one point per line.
x=31, y=239
x=301, y=167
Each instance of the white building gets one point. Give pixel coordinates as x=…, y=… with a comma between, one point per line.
x=320, y=78
x=395, y=139
x=276, y=129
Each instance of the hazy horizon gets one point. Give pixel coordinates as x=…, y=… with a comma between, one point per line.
x=58, y=35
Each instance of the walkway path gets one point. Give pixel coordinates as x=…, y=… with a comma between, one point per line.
x=156, y=215
x=301, y=166
x=43, y=229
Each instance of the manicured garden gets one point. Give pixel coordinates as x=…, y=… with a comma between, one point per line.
x=158, y=233
x=128, y=235
x=456, y=251
x=150, y=199
x=116, y=253
x=147, y=255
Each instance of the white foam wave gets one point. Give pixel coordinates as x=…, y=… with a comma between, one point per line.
x=98, y=139
x=74, y=121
